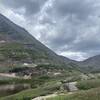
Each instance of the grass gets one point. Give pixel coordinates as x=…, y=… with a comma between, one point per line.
x=28, y=93
x=32, y=93
x=51, y=87
x=92, y=94
x=88, y=84
x=4, y=81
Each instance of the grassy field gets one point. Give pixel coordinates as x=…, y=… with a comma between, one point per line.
x=32, y=93
x=88, y=84
x=89, y=90
x=92, y=94
x=88, y=93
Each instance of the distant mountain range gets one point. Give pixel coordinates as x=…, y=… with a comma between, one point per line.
x=17, y=46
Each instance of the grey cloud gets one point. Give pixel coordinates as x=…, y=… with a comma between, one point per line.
x=63, y=25
x=31, y=6
x=80, y=8
x=80, y=17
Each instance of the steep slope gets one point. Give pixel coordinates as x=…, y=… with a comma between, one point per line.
x=17, y=46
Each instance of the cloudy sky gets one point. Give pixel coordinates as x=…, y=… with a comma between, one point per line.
x=69, y=27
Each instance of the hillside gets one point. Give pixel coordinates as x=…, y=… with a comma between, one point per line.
x=17, y=46
x=91, y=64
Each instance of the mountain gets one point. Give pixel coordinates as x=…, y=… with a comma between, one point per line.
x=91, y=64
x=67, y=60
x=17, y=46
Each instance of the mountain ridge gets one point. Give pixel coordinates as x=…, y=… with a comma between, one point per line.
x=18, y=45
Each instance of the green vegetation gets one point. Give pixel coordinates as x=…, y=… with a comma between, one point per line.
x=5, y=81
x=38, y=81
x=13, y=51
x=48, y=86
x=88, y=84
x=32, y=93
x=93, y=94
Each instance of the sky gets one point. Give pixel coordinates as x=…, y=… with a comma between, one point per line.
x=69, y=27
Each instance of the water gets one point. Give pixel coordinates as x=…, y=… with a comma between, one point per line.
x=6, y=90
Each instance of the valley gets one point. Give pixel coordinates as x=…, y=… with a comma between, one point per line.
x=31, y=71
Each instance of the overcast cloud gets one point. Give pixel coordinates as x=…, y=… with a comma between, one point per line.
x=69, y=27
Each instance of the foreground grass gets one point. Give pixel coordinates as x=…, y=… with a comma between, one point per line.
x=92, y=94
x=32, y=93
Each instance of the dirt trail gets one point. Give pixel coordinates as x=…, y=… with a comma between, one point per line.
x=45, y=97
